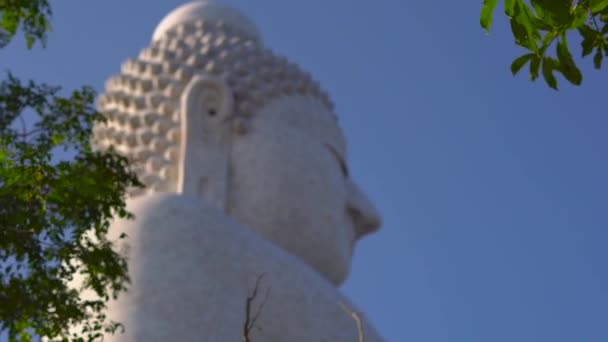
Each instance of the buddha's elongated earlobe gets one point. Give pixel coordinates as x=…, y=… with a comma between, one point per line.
x=207, y=107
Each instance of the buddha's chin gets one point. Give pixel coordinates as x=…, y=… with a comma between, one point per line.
x=339, y=278
x=335, y=270
x=335, y=266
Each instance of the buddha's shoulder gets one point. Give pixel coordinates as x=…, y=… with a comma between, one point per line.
x=192, y=229
x=162, y=214
x=173, y=207
x=183, y=243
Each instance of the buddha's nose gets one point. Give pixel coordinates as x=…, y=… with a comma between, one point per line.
x=362, y=212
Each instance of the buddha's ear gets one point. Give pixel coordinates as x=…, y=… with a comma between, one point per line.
x=207, y=105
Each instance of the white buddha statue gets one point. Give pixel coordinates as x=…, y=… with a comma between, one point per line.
x=249, y=221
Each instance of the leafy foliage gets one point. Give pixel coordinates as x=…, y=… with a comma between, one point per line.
x=536, y=26
x=54, y=215
x=31, y=15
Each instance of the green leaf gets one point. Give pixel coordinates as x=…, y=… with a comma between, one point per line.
x=534, y=66
x=57, y=139
x=587, y=32
x=580, y=16
x=485, y=19
x=548, y=67
x=540, y=25
x=598, y=5
x=524, y=31
x=567, y=66
x=520, y=62
x=523, y=37
x=547, y=40
x=25, y=337
x=555, y=12
x=510, y=7
x=538, y=8
x=10, y=21
x=29, y=41
x=56, y=201
x=587, y=45
x=597, y=59
x=562, y=51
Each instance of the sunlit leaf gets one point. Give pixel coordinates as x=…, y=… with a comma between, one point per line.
x=510, y=7
x=485, y=19
x=538, y=8
x=547, y=40
x=580, y=16
x=598, y=5
x=9, y=22
x=25, y=337
x=30, y=16
x=57, y=139
x=524, y=32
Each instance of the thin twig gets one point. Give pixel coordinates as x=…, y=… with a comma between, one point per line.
x=250, y=321
x=260, y=308
x=356, y=316
x=25, y=134
x=23, y=126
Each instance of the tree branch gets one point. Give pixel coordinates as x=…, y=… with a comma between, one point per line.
x=251, y=320
x=357, y=317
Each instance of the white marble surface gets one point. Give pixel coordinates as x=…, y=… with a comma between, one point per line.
x=206, y=10
x=193, y=269
x=247, y=172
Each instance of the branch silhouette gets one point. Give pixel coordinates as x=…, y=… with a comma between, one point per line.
x=250, y=320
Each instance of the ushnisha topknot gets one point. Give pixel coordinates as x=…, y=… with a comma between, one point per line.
x=142, y=102
x=207, y=11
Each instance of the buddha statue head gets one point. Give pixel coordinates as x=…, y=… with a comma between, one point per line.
x=207, y=111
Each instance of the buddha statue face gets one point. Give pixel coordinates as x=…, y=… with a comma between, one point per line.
x=207, y=111
x=290, y=181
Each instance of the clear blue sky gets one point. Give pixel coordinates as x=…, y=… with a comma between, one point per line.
x=494, y=190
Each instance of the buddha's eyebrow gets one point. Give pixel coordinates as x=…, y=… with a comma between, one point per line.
x=340, y=159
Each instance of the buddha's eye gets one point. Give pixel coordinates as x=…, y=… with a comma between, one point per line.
x=340, y=160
